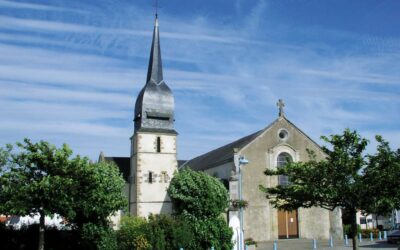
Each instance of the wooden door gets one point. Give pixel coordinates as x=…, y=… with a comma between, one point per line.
x=287, y=224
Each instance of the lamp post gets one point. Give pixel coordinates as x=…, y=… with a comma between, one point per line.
x=241, y=160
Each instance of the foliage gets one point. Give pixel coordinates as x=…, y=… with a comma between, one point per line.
x=382, y=176
x=366, y=233
x=39, y=178
x=141, y=243
x=166, y=232
x=200, y=199
x=98, y=237
x=211, y=232
x=250, y=241
x=159, y=232
x=132, y=233
x=97, y=192
x=346, y=178
x=347, y=230
x=198, y=194
x=239, y=203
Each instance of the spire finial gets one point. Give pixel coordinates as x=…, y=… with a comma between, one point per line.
x=280, y=104
x=154, y=72
x=156, y=6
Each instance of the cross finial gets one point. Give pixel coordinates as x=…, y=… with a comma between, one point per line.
x=281, y=105
x=156, y=6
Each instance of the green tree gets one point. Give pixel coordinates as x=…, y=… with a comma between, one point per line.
x=342, y=180
x=39, y=178
x=382, y=176
x=96, y=191
x=200, y=199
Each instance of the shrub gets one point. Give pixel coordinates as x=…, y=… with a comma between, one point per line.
x=159, y=232
x=212, y=232
x=198, y=194
x=166, y=232
x=98, y=237
x=250, y=241
x=132, y=234
x=348, y=231
x=199, y=199
x=366, y=233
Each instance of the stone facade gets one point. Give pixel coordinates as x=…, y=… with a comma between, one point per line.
x=262, y=150
x=152, y=167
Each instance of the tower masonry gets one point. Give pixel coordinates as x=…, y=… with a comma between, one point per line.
x=153, y=145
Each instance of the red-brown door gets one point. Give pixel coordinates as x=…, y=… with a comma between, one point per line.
x=287, y=224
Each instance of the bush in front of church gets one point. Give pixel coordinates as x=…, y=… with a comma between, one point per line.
x=158, y=232
x=198, y=194
x=200, y=199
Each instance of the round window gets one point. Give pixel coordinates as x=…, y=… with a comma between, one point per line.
x=283, y=134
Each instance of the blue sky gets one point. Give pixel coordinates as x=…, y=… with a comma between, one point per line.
x=70, y=71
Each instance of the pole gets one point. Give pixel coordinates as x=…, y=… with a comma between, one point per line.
x=275, y=245
x=240, y=210
x=379, y=235
x=346, y=240
x=360, y=237
x=371, y=236
x=314, y=244
x=331, y=241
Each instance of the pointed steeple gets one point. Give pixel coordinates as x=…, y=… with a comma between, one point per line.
x=154, y=108
x=154, y=72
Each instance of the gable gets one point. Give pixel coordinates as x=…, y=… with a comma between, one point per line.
x=295, y=140
x=225, y=153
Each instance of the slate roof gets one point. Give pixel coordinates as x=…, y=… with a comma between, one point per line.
x=222, y=154
x=123, y=164
x=181, y=162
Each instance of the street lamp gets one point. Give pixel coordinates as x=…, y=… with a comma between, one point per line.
x=241, y=161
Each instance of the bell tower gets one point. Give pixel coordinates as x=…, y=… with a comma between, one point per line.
x=153, y=144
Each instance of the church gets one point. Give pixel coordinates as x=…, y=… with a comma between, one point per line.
x=239, y=165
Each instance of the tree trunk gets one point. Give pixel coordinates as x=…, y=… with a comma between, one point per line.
x=41, y=230
x=354, y=229
x=376, y=219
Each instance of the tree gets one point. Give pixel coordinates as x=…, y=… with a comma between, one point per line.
x=200, y=199
x=39, y=178
x=96, y=191
x=342, y=180
x=382, y=175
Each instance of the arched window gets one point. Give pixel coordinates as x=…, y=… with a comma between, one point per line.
x=282, y=160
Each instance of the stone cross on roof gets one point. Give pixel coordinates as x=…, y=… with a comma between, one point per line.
x=281, y=105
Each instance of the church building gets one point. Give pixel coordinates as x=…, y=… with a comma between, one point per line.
x=153, y=161
x=268, y=148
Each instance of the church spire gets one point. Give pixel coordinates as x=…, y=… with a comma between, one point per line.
x=154, y=108
x=154, y=72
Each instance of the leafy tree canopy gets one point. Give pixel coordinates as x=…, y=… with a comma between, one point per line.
x=200, y=199
x=198, y=194
x=39, y=178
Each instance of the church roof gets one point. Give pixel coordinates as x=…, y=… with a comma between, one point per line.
x=222, y=154
x=123, y=164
